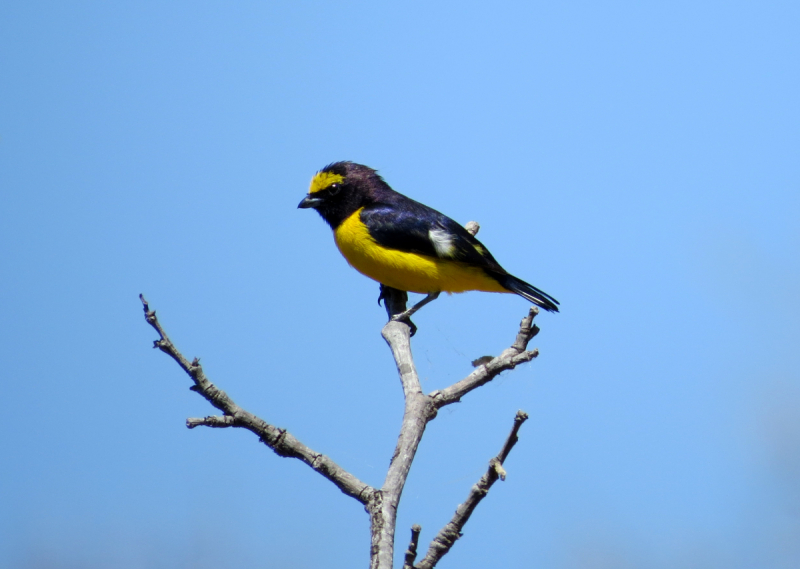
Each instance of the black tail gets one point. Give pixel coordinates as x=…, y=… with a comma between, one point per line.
x=528, y=292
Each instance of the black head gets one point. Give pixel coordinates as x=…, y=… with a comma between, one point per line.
x=340, y=189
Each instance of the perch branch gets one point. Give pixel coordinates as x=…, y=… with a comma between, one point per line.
x=445, y=539
x=421, y=409
x=418, y=411
x=279, y=440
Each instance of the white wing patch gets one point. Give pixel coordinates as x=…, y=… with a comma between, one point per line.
x=442, y=242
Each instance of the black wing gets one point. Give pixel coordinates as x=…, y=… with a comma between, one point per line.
x=407, y=225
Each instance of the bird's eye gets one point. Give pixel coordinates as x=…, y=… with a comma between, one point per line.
x=334, y=189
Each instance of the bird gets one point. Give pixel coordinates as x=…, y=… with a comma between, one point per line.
x=404, y=244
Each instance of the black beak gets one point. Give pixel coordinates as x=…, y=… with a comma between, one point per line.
x=310, y=202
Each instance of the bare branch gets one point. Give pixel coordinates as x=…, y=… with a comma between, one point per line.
x=527, y=330
x=381, y=504
x=279, y=440
x=484, y=373
x=418, y=411
x=448, y=535
x=411, y=552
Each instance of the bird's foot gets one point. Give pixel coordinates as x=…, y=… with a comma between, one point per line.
x=403, y=318
x=406, y=316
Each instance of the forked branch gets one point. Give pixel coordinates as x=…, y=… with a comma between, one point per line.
x=279, y=440
x=420, y=409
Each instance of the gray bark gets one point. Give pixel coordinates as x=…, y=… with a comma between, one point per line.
x=420, y=409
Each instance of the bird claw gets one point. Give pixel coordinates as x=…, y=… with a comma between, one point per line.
x=405, y=318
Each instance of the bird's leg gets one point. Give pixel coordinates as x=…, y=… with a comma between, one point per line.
x=406, y=316
x=393, y=299
x=410, y=312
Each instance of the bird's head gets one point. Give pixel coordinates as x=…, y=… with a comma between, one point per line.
x=340, y=189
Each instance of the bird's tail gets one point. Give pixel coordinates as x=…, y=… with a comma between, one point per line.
x=528, y=292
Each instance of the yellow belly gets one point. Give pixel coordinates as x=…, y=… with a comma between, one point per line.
x=406, y=271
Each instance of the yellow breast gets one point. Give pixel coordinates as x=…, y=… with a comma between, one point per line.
x=406, y=271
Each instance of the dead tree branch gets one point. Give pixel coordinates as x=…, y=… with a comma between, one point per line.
x=448, y=535
x=509, y=359
x=420, y=409
x=279, y=440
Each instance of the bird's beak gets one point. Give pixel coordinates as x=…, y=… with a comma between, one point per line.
x=310, y=201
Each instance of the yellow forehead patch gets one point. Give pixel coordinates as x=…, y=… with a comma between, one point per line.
x=322, y=180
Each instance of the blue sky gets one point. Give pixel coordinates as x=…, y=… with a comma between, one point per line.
x=638, y=161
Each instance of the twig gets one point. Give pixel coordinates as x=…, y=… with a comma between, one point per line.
x=411, y=552
x=448, y=535
x=279, y=440
x=472, y=227
x=211, y=421
x=509, y=359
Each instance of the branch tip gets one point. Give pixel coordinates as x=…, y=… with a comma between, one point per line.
x=487, y=368
x=234, y=416
x=411, y=552
x=448, y=535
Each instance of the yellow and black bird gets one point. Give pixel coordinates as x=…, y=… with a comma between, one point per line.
x=404, y=244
